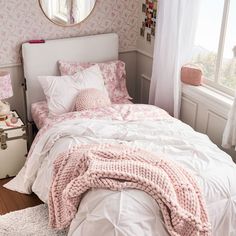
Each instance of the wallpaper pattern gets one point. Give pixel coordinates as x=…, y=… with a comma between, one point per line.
x=22, y=20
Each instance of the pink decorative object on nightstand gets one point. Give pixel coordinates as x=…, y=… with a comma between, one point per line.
x=14, y=119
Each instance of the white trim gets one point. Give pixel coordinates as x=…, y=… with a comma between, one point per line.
x=222, y=40
x=143, y=76
x=127, y=51
x=220, y=88
x=10, y=65
x=144, y=53
x=207, y=95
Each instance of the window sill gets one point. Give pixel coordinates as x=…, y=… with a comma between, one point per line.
x=209, y=96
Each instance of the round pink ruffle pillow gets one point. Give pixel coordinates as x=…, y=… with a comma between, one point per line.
x=90, y=99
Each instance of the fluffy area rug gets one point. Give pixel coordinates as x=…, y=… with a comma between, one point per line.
x=28, y=222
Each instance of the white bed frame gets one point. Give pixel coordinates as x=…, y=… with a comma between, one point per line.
x=41, y=59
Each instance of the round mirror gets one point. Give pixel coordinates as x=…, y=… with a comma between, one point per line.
x=67, y=12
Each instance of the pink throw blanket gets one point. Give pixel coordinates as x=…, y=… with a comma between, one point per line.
x=118, y=167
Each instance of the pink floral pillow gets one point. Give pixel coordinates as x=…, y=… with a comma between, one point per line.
x=90, y=99
x=113, y=72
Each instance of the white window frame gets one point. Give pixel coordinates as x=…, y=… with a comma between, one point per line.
x=215, y=83
x=58, y=13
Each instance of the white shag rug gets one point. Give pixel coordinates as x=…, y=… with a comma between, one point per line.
x=28, y=222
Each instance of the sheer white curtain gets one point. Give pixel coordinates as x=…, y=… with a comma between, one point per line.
x=176, y=27
x=229, y=135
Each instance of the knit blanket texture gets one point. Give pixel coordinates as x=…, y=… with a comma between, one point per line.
x=118, y=167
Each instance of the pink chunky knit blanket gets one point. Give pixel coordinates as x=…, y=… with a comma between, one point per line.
x=118, y=167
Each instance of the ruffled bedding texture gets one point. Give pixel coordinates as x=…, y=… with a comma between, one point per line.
x=132, y=212
x=40, y=112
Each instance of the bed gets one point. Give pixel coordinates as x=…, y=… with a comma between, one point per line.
x=128, y=211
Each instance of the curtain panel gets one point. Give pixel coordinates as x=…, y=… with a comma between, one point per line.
x=176, y=27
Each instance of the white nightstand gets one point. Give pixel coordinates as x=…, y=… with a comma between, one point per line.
x=13, y=146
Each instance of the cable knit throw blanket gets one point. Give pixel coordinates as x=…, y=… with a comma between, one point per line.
x=117, y=167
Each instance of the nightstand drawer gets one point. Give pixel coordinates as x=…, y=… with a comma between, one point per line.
x=13, y=158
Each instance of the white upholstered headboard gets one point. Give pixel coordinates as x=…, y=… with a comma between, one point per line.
x=41, y=59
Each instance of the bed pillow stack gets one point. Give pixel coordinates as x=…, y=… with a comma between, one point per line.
x=108, y=78
x=113, y=73
x=61, y=91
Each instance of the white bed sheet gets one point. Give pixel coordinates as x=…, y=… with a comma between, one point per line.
x=133, y=212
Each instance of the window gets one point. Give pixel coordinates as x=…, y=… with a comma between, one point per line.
x=215, y=44
x=55, y=9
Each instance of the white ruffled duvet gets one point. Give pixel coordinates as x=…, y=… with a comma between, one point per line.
x=132, y=212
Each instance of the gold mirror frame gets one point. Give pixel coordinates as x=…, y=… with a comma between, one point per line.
x=66, y=24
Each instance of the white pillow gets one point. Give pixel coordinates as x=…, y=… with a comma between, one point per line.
x=61, y=91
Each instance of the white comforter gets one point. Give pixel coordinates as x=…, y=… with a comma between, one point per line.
x=133, y=212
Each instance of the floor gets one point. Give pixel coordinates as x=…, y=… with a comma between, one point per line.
x=12, y=201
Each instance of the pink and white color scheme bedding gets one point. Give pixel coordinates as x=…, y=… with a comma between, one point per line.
x=61, y=91
x=40, y=112
x=114, y=75
x=129, y=212
x=118, y=167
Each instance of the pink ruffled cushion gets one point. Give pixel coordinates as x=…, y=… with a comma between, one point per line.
x=90, y=99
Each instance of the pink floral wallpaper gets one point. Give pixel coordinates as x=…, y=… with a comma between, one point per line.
x=22, y=20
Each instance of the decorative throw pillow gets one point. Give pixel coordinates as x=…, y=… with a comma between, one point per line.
x=61, y=91
x=191, y=74
x=113, y=72
x=90, y=99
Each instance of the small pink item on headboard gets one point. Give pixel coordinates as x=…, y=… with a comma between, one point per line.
x=191, y=74
x=34, y=41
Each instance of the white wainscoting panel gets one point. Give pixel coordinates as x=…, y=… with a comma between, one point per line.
x=144, y=72
x=206, y=112
x=189, y=112
x=215, y=127
x=144, y=89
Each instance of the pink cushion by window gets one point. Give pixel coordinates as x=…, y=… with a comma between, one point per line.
x=192, y=75
x=90, y=99
x=113, y=72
